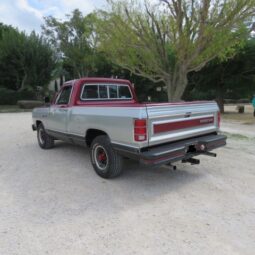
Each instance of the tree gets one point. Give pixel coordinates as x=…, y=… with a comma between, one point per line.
x=233, y=78
x=4, y=28
x=56, y=86
x=166, y=41
x=9, y=72
x=26, y=61
x=76, y=40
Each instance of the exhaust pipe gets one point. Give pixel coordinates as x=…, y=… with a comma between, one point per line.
x=210, y=154
x=192, y=161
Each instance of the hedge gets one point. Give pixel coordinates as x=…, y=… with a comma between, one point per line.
x=11, y=97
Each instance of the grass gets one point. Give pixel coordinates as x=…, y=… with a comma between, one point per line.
x=236, y=136
x=245, y=118
x=12, y=108
x=239, y=137
x=231, y=114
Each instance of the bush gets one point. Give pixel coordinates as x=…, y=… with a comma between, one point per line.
x=240, y=108
x=237, y=101
x=11, y=97
x=7, y=97
x=198, y=95
x=243, y=100
x=29, y=104
x=230, y=101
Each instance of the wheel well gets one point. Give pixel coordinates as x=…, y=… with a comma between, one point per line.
x=92, y=134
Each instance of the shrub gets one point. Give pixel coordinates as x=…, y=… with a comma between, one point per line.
x=7, y=97
x=11, y=97
x=230, y=101
x=243, y=100
x=240, y=108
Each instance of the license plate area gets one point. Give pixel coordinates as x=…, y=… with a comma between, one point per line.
x=192, y=148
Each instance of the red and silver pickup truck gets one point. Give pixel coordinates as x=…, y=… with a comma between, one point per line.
x=104, y=115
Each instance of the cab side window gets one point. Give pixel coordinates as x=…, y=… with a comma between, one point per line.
x=64, y=97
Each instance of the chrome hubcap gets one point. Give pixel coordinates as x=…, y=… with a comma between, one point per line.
x=101, y=157
x=41, y=136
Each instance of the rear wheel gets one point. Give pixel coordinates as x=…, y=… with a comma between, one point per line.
x=105, y=160
x=44, y=140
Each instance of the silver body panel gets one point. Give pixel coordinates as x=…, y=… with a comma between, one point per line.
x=178, y=113
x=118, y=121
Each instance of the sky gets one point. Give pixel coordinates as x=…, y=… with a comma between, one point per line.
x=27, y=15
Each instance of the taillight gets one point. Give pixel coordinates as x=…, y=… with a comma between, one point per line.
x=140, y=130
x=219, y=119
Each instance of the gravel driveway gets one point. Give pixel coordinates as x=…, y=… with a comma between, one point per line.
x=52, y=202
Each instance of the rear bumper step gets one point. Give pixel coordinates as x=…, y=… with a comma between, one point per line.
x=183, y=150
x=178, y=151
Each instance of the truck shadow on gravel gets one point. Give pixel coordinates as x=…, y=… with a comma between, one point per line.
x=136, y=173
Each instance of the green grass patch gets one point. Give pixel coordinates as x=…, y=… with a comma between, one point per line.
x=246, y=118
x=238, y=136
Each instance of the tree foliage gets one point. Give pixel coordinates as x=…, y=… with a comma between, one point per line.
x=26, y=61
x=76, y=41
x=233, y=78
x=167, y=40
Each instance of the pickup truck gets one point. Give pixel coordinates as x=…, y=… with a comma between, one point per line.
x=105, y=115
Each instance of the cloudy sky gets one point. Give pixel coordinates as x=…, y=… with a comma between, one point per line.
x=28, y=14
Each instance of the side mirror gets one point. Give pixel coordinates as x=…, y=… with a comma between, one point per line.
x=46, y=100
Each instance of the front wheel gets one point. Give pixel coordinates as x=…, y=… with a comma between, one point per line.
x=105, y=160
x=44, y=140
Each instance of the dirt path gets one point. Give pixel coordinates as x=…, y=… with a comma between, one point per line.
x=52, y=202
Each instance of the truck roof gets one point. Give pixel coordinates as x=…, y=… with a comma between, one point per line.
x=97, y=79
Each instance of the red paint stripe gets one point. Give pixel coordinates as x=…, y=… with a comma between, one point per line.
x=171, y=126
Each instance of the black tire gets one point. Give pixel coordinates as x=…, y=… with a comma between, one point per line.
x=44, y=140
x=110, y=163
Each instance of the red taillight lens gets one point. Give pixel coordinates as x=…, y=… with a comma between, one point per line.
x=219, y=119
x=140, y=130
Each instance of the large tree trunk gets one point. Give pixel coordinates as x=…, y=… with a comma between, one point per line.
x=23, y=84
x=220, y=97
x=176, y=85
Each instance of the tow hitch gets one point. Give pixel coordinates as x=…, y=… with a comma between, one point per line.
x=194, y=161
x=210, y=154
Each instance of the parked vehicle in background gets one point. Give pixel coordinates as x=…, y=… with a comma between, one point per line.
x=104, y=115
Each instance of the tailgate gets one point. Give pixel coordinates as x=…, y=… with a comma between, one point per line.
x=176, y=121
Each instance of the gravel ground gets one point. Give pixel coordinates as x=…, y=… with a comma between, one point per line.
x=52, y=202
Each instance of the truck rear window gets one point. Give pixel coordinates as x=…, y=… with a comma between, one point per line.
x=105, y=92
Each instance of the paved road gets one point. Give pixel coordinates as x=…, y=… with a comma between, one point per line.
x=52, y=202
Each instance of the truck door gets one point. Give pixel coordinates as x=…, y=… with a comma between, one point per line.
x=59, y=112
